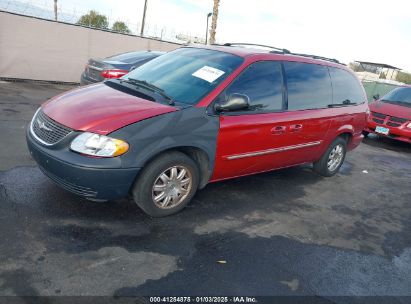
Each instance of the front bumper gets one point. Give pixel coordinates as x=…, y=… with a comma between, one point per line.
x=91, y=180
x=401, y=133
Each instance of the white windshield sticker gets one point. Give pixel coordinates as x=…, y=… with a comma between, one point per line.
x=208, y=73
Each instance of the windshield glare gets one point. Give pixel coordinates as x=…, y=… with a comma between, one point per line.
x=187, y=74
x=400, y=96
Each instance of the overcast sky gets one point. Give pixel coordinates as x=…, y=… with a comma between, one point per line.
x=377, y=31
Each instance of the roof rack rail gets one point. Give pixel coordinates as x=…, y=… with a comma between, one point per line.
x=279, y=50
x=275, y=49
x=316, y=57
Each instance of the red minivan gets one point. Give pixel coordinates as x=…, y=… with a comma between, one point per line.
x=198, y=115
x=391, y=115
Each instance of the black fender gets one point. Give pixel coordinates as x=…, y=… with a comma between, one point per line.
x=185, y=129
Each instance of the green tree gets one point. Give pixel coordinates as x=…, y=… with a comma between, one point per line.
x=94, y=19
x=403, y=77
x=121, y=27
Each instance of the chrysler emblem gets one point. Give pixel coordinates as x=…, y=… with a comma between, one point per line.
x=43, y=126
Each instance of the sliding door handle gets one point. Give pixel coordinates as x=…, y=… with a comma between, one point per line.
x=277, y=130
x=296, y=128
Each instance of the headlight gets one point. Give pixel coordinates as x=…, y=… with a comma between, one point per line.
x=409, y=125
x=98, y=145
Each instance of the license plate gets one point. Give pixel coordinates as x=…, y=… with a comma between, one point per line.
x=382, y=130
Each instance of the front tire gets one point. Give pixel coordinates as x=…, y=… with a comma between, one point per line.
x=166, y=185
x=332, y=159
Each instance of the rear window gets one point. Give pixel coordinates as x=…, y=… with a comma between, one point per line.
x=346, y=88
x=309, y=86
x=131, y=57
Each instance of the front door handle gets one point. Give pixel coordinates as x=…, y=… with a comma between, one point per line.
x=296, y=128
x=277, y=130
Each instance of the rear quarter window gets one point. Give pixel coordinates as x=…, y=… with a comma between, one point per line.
x=345, y=87
x=309, y=86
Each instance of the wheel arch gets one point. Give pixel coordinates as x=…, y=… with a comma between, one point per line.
x=346, y=132
x=347, y=136
x=197, y=154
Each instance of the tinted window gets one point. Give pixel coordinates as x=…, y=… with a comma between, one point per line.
x=262, y=83
x=309, y=86
x=400, y=96
x=345, y=87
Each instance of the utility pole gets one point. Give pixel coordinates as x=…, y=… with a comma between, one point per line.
x=208, y=16
x=144, y=18
x=55, y=10
x=214, y=21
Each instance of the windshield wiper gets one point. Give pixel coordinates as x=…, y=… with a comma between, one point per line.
x=345, y=103
x=151, y=87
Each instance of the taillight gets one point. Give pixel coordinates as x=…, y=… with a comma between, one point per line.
x=113, y=73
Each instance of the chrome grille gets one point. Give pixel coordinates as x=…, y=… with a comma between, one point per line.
x=46, y=130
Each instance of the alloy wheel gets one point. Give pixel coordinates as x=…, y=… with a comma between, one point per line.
x=335, y=158
x=171, y=187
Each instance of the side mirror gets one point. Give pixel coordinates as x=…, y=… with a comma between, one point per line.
x=235, y=102
x=376, y=96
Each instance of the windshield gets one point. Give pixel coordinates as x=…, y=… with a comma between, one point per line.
x=187, y=74
x=400, y=96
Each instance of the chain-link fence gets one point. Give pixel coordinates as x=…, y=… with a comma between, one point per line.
x=44, y=9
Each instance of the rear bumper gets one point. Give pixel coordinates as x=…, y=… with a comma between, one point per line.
x=398, y=133
x=89, y=182
x=84, y=80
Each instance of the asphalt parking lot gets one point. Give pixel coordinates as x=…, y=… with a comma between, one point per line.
x=288, y=232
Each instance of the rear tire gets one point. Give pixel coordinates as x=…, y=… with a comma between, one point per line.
x=166, y=185
x=332, y=159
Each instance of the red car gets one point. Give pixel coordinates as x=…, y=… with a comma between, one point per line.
x=391, y=115
x=198, y=115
